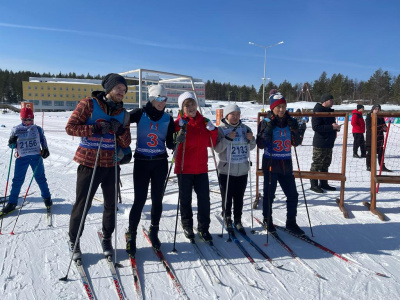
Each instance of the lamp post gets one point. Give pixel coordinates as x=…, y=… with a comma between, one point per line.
x=265, y=60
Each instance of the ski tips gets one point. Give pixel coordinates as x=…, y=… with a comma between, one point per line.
x=65, y=278
x=12, y=233
x=382, y=275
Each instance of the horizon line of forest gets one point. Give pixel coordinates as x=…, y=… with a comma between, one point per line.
x=381, y=88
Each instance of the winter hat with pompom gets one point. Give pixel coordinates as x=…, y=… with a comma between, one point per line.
x=275, y=100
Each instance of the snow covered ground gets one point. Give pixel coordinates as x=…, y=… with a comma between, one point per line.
x=33, y=260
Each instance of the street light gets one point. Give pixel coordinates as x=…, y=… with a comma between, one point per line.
x=265, y=59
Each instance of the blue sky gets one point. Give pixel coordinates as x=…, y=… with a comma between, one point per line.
x=204, y=39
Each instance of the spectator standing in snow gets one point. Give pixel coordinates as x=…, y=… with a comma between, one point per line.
x=358, y=123
x=31, y=146
x=155, y=129
x=302, y=121
x=232, y=148
x=325, y=131
x=100, y=116
x=191, y=164
x=277, y=133
x=380, y=138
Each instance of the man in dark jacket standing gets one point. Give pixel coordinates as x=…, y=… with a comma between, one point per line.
x=325, y=129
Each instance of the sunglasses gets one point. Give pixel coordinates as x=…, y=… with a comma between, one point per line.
x=27, y=120
x=161, y=99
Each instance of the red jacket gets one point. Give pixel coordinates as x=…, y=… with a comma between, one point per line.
x=357, y=121
x=196, y=143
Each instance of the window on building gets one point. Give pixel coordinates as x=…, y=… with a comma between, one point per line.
x=55, y=95
x=30, y=95
x=48, y=95
x=41, y=87
x=66, y=88
x=58, y=103
x=70, y=103
x=48, y=88
x=67, y=96
x=36, y=94
x=47, y=103
x=29, y=87
x=35, y=87
x=61, y=95
x=54, y=88
x=84, y=89
x=42, y=95
x=72, y=89
x=79, y=89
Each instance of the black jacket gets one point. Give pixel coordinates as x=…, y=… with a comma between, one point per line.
x=325, y=135
x=381, y=128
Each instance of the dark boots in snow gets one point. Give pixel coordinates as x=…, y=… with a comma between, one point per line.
x=130, y=243
x=324, y=185
x=315, y=187
x=153, y=236
x=292, y=226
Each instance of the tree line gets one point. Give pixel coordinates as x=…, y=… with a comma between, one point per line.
x=382, y=87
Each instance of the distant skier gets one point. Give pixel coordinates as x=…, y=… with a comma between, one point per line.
x=192, y=157
x=155, y=130
x=358, y=123
x=100, y=115
x=31, y=145
x=277, y=133
x=232, y=147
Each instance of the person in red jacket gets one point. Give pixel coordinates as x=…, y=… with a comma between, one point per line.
x=196, y=133
x=358, y=123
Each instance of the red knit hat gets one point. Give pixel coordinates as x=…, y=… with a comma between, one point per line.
x=275, y=100
x=26, y=113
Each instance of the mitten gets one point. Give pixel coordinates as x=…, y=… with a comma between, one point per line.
x=209, y=125
x=45, y=153
x=180, y=138
x=101, y=128
x=12, y=142
x=116, y=127
x=182, y=122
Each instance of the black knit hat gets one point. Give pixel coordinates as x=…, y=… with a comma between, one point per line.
x=326, y=97
x=359, y=106
x=112, y=80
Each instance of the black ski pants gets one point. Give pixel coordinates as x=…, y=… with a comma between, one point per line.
x=143, y=172
x=359, y=142
x=236, y=189
x=105, y=177
x=200, y=184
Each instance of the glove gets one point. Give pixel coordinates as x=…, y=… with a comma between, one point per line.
x=45, y=153
x=182, y=122
x=12, y=142
x=180, y=138
x=268, y=131
x=101, y=128
x=209, y=125
x=116, y=127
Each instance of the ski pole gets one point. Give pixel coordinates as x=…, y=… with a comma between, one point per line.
x=269, y=192
x=251, y=190
x=65, y=278
x=23, y=201
x=304, y=194
x=383, y=154
x=115, y=203
x=179, y=195
x=229, y=154
x=8, y=177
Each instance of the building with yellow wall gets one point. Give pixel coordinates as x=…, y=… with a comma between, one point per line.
x=55, y=94
x=60, y=94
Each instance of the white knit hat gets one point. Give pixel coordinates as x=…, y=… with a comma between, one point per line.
x=156, y=91
x=230, y=108
x=186, y=95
